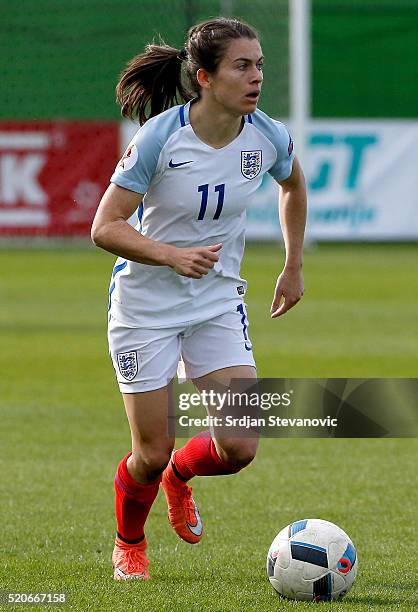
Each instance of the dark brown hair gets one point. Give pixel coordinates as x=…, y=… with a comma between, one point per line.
x=153, y=80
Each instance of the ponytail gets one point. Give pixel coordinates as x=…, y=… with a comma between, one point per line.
x=151, y=81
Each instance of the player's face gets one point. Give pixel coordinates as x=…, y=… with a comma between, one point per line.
x=237, y=82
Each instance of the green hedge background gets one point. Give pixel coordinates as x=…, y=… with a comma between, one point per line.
x=61, y=58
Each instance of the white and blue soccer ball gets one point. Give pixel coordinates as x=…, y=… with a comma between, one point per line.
x=312, y=560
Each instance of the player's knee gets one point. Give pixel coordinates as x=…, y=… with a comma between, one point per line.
x=239, y=454
x=154, y=460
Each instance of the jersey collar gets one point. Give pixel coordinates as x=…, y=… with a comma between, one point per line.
x=185, y=111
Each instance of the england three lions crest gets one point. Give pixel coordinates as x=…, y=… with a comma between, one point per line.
x=251, y=162
x=128, y=365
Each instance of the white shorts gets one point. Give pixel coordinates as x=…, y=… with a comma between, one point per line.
x=147, y=359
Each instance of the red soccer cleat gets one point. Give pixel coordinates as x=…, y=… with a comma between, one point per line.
x=130, y=561
x=183, y=512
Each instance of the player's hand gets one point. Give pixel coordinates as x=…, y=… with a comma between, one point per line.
x=193, y=262
x=289, y=288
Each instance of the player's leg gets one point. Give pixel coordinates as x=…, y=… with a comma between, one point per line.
x=139, y=473
x=138, y=477
x=215, y=353
x=145, y=361
x=204, y=455
x=223, y=341
x=216, y=453
x=151, y=443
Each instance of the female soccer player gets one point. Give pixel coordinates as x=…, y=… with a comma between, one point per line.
x=190, y=172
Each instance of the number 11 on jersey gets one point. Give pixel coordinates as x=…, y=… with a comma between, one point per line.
x=204, y=190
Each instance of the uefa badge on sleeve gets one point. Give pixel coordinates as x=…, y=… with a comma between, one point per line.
x=290, y=146
x=129, y=159
x=251, y=162
x=128, y=364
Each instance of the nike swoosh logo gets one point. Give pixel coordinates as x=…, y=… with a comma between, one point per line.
x=173, y=165
x=129, y=576
x=198, y=528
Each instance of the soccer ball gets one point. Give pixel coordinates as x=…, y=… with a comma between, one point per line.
x=312, y=560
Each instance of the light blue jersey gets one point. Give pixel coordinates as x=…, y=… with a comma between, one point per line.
x=195, y=195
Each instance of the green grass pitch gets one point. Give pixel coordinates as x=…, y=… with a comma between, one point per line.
x=63, y=432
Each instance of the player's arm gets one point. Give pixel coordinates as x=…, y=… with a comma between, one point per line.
x=111, y=232
x=293, y=204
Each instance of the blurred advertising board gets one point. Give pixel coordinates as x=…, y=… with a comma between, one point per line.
x=52, y=175
x=362, y=178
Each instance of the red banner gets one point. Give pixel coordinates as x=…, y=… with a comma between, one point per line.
x=53, y=174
